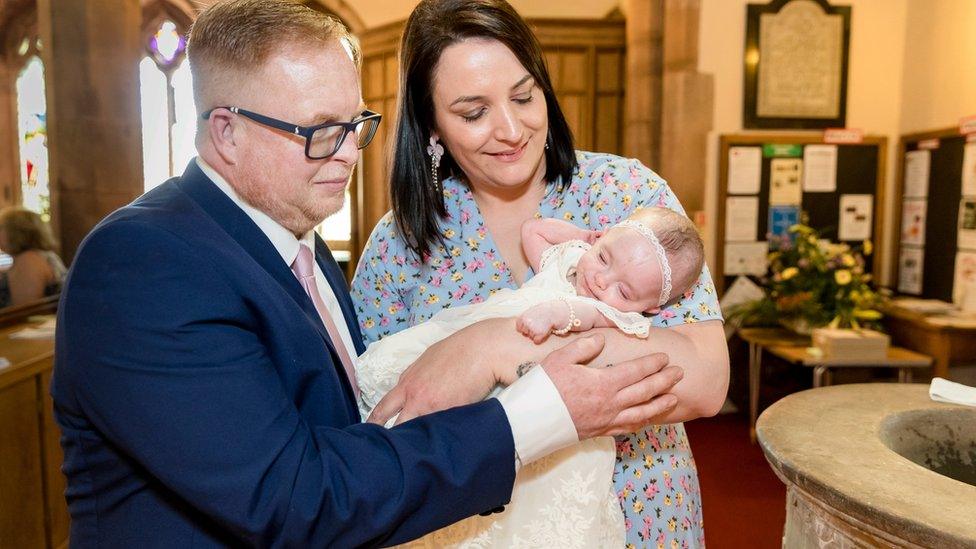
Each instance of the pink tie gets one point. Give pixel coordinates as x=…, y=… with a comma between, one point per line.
x=303, y=269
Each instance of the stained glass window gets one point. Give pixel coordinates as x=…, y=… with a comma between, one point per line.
x=32, y=133
x=168, y=114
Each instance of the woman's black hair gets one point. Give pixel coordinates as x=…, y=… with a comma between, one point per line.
x=418, y=204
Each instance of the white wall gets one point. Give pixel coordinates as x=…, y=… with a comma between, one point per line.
x=380, y=12
x=874, y=77
x=939, y=64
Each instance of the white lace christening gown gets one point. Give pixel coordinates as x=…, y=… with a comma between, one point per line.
x=563, y=500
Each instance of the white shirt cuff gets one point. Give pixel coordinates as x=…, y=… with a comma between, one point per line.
x=540, y=421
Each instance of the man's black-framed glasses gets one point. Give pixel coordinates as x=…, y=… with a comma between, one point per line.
x=321, y=140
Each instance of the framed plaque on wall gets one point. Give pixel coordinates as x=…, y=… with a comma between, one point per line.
x=796, y=62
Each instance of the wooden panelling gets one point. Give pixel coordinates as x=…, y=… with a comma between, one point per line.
x=33, y=512
x=586, y=60
x=21, y=488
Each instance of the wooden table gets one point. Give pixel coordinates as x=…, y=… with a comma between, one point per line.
x=793, y=347
x=948, y=340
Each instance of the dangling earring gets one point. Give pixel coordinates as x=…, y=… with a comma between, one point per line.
x=547, y=145
x=436, y=151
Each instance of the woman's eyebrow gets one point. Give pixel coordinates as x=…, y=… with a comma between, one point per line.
x=524, y=79
x=474, y=98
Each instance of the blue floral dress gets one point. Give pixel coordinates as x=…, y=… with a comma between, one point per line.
x=655, y=476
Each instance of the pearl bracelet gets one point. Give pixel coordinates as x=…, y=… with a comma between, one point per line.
x=574, y=322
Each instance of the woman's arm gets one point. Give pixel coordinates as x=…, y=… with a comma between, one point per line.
x=28, y=277
x=540, y=234
x=436, y=381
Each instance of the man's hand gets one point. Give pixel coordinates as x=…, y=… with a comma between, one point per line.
x=612, y=400
x=450, y=373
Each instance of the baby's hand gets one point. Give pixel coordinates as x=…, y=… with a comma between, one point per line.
x=593, y=236
x=539, y=321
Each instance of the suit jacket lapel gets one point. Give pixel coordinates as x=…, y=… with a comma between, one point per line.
x=243, y=230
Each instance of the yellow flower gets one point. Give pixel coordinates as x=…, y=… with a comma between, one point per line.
x=679, y=497
x=392, y=309
x=637, y=473
x=455, y=251
x=843, y=277
x=369, y=323
x=667, y=500
x=848, y=260
x=432, y=298
x=456, y=276
x=672, y=524
x=789, y=273
x=568, y=216
x=449, y=233
x=638, y=506
x=868, y=247
x=867, y=314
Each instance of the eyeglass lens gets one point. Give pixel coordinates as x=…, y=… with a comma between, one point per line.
x=326, y=141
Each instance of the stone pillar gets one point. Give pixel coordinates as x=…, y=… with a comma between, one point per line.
x=91, y=53
x=642, y=116
x=9, y=136
x=686, y=106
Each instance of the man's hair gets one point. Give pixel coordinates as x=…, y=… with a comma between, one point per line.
x=233, y=38
x=681, y=242
x=25, y=230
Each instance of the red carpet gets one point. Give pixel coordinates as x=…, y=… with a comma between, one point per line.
x=744, y=502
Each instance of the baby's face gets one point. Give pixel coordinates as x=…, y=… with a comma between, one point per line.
x=622, y=269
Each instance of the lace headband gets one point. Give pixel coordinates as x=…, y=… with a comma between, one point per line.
x=661, y=255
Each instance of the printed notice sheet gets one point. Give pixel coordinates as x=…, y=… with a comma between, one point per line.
x=820, y=168
x=855, y=217
x=746, y=258
x=967, y=224
x=913, y=222
x=784, y=181
x=910, y=270
x=969, y=170
x=917, y=173
x=741, y=218
x=964, y=283
x=745, y=170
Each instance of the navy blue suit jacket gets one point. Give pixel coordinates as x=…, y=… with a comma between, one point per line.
x=201, y=402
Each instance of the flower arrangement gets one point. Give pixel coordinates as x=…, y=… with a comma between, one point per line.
x=813, y=282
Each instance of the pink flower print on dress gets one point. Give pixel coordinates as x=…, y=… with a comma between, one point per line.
x=465, y=216
x=604, y=220
x=385, y=321
x=685, y=524
x=623, y=446
x=667, y=314
x=460, y=292
x=668, y=485
x=474, y=265
x=436, y=281
x=651, y=490
x=477, y=299
x=628, y=525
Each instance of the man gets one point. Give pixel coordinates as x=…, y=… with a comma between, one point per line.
x=203, y=380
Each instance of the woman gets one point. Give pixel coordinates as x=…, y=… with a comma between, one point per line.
x=37, y=271
x=482, y=146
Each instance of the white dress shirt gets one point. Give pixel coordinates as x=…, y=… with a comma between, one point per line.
x=540, y=422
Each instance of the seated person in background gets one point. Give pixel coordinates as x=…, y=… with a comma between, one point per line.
x=37, y=271
x=584, y=279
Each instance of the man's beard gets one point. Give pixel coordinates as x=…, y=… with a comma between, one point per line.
x=299, y=219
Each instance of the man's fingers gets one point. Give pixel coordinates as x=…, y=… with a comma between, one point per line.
x=389, y=405
x=649, y=387
x=406, y=415
x=635, y=417
x=579, y=351
x=630, y=372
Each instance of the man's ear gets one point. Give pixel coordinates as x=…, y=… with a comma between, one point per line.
x=221, y=127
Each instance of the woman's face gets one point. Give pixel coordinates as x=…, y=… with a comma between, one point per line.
x=490, y=115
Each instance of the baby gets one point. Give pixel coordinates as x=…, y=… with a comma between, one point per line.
x=640, y=265
x=584, y=279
